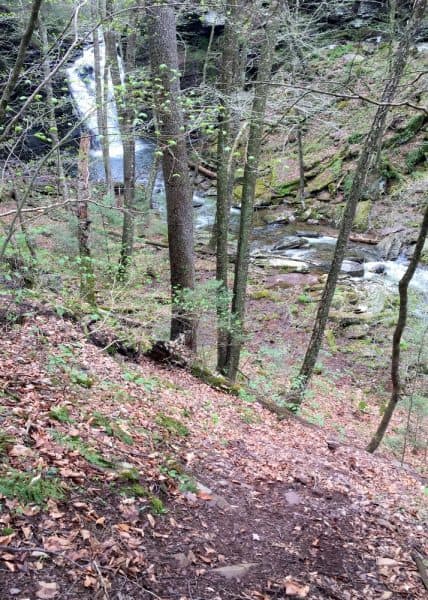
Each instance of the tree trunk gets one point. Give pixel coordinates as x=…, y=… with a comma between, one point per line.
x=126, y=113
x=172, y=141
x=401, y=323
x=367, y=156
x=225, y=174
x=301, y=192
x=14, y=75
x=53, y=128
x=247, y=200
x=101, y=96
x=87, y=280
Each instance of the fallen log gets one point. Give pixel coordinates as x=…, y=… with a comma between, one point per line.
x=203, y=170
x=363, y=239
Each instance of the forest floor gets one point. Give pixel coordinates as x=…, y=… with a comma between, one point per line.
x=127, y=480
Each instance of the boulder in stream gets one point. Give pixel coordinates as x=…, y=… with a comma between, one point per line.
x=353, y=269
x=290, y=242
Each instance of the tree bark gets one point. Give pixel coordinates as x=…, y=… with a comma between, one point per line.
x=87, y=280
x=126, y=114
x=367, y=156
x=100, y=96
x=172, y=142
x=401, y=323
x=14, y=75
x=247, y=200
x=53, y=128
x=225, y=174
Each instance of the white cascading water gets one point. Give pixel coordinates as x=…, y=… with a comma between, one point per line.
x=81, y=81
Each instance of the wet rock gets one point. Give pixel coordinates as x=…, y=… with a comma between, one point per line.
x=282, y=217
x=377, y=268
x=290, y=242
x=283, y=264
x=290, y=280
x=309, y=234
x=390, y=247
x=353, y=269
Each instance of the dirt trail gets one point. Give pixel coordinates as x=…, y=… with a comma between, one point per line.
x=173, y=490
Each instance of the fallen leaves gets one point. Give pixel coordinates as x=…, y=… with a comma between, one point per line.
x=46, y=590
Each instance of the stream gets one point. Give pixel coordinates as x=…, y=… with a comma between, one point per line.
x=312, y=248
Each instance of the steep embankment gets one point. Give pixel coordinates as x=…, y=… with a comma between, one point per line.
x=127, y=480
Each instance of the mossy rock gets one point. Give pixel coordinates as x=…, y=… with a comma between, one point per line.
x=287, y=188
x=263, y=192
x=413, y=126
x=323, y=180
x=362, y=215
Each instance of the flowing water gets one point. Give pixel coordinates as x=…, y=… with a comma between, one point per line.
x=317, y=247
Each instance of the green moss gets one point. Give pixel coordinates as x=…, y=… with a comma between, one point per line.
x=362, y=215
x=414, y=125
x=356, y=138
x=287, y=188
x=35, y=488
x=61, y=414
x=172, y=425
x=264, y=295
x=416, y=157
x=213, y=380
x=331, y=340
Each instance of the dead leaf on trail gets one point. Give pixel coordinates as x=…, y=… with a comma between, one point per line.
x=47, y=590
x=185, y=560
x=292, y=588
x=20, y=450
x=151, y=519
x=386, y=562
x=90, y=582
x=234, y=571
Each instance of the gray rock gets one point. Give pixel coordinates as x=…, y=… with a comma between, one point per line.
x=290, y=280
x=285, y=264
x=356, y=332
x=390, y=247
x=289, y=242
x=353, y=269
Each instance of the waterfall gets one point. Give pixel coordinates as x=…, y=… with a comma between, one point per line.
x=81, y=81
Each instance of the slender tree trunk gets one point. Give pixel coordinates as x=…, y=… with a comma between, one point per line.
x=172, y=141
x=128, y=142
x=19, y=61
x=225, y=174
x=247, y=199
x=87, y=280
x=126, y=113
x=367, y=156
x=50, y=100
x=100, y=99
x=401, y=323
x=301, y=192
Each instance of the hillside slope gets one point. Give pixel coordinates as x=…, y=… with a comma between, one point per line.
x=128, y=480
